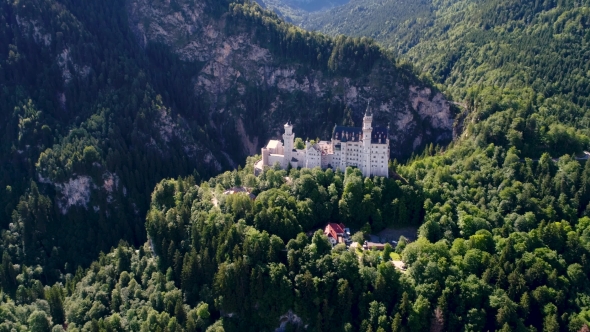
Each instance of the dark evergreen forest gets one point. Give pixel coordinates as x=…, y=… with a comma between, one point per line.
x=99, y=130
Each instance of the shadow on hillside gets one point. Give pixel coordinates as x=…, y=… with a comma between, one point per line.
x=393, y=234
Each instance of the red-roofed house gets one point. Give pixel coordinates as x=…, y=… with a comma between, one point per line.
x=336, y=233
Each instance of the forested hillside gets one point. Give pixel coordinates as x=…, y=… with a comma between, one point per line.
x=101, y=101
x=468, y=46
x=503, y=211
x=386, y=21
x=85, y=134
x=294, y=6
x=502, y=247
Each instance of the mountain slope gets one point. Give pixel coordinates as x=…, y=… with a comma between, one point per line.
x=81, y=117
x=101, y=101
x=384, y=21
x=504, y=239
x=465, y=44
x=301, y=5
x=521, y=69
x=290, y=74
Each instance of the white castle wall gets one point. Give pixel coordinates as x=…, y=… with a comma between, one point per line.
x=369, y=151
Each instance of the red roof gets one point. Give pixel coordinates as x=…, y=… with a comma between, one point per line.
x=334, y=229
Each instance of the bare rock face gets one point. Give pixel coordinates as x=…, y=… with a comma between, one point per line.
x=435, y=109
x=36, y=29
x=75, y=191
x=64, y=62
x=78, y=190
x=234, y=67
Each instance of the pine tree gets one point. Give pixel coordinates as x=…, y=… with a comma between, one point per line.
x=179, y=312
x=396, y=324
x=55, y=298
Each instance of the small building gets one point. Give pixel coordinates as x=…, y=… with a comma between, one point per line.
x=373, y=246
x=337, y=233
x=237, y=190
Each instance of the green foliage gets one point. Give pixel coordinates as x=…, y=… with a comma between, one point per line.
x=79, y=107
x=55, y=298
x=504, y=235
x=299, y=144
x=97, y=118
x=497, y=259
x=500, y=227
x=387, y=251
x=227, y=258
x=489, y=56
x=358, y=237
x=342, y=55
x=39, y=322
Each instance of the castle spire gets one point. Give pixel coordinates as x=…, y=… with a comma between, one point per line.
x=368, y=111
x=368, y=118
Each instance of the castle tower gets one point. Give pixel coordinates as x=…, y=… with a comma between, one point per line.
x=265, y=154
x=288, y=139
x=367, y=131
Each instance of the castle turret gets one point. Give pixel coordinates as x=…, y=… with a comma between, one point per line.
x=288, y=139
x=367, y=131
x=368, y=119
x=265, y=154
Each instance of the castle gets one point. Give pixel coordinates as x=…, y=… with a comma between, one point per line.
x=366, y=148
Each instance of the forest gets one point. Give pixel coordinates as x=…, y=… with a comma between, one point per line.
x=90, y=123
x=91, y=119
x=465, y=46
x=502, y=212
x=503, y=245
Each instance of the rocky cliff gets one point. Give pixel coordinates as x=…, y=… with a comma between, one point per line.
x=236, y=66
